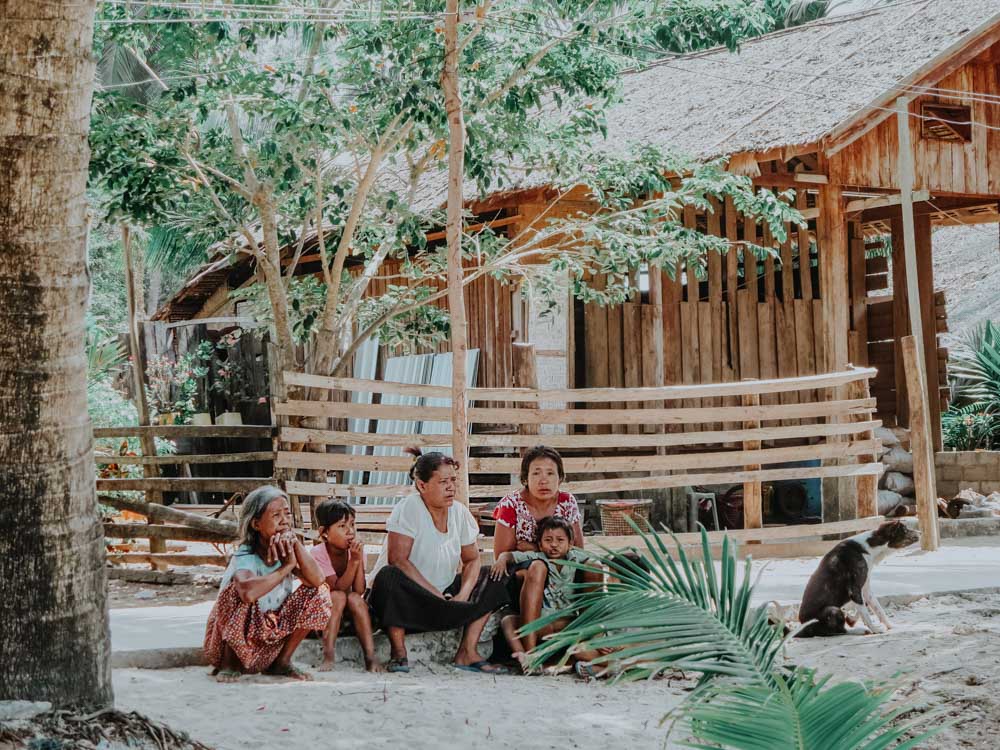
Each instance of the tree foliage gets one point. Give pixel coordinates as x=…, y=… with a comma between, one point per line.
x=271, y=131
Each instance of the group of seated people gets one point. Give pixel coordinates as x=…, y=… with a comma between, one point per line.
x=428, y=575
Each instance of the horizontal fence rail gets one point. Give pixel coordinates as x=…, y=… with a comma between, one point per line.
x=732, y=439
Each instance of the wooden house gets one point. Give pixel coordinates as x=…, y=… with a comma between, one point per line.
x=826, y=109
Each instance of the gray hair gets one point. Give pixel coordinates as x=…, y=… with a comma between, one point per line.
x=253, y=508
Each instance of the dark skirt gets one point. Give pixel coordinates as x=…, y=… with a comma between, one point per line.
x=398, y=601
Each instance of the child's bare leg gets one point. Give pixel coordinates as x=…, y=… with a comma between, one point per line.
x=509, y=625
x=357, y=607
x=338, y=600
x=532, y=594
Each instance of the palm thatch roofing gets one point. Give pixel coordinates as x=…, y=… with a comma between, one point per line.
x=790, y=88
x=793, y=87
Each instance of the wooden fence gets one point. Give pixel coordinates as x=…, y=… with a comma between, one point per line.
x=159, y=531
x=829, y=421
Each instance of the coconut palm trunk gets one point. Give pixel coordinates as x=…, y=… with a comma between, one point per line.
x=54, y=643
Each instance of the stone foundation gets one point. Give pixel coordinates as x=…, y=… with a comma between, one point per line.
x=972, y=470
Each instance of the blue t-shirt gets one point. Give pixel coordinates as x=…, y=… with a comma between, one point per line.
x=246, y=559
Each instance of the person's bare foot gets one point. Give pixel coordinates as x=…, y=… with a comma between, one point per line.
x=373, y=665
x=326, y=666
x=524, y=660
x=290, y=671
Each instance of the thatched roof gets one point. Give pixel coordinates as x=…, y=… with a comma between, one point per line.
x=792, y=87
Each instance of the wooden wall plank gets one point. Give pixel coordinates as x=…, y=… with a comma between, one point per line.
x=767, y=346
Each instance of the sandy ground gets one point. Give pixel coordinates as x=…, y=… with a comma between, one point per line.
x=947, y=646
x=948, y=651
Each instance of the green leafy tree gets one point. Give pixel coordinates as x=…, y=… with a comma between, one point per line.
x=341, y=133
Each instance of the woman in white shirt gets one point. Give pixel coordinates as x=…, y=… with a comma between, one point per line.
x=418, y=587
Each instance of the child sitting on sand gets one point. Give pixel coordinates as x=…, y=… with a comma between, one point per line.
x=554, y=537
x=341, y=557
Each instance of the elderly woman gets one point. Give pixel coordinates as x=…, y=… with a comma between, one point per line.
x=517, y=516
x=418, y=587
x=260, y=618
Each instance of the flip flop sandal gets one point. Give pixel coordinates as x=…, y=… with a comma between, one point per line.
x=585, y=670
x=227, y=675
x=481, y=667
x=398, y=665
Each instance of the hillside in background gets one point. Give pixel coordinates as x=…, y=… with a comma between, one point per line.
x=967, y=268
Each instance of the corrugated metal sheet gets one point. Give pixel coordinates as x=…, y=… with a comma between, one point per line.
x=365, y=367
x=414, y=368
x=441, y=375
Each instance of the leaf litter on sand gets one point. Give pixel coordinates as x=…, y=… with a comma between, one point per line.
x=105, y=729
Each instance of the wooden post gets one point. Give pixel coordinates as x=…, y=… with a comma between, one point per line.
x=753, y=513
x=906, y=184
x=921, y=445
x=900, y=319
x=525, y=376
x=453, y=232
x=925, y=278
x=866, y=486
x=136, y=310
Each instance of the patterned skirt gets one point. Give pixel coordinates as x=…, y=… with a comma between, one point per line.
x=255, y=636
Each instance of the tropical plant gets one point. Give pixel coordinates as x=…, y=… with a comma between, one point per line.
x=972, y=420
x=104, y=352
x=680, y=613
x=173, y=385
x=266, y=135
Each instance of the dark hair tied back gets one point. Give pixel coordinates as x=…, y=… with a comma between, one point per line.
x=425, y=464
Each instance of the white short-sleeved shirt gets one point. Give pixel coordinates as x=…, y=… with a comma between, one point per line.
x=436, y=555
x=246, y=559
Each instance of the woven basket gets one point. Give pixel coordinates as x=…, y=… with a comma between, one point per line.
x=614, y=513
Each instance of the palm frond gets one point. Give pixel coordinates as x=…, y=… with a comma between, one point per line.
x=681, y=614
x=805, y=712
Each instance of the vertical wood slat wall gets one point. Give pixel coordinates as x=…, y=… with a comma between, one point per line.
x=715, y=326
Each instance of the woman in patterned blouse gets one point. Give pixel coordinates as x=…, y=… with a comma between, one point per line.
x=517, y=517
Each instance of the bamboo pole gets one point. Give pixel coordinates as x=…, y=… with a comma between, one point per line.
x=526, y=376
x=921, y=444
x=163, y=514
x=133, y=293
x=753, y=511
x=453, y=230
x=906, y=180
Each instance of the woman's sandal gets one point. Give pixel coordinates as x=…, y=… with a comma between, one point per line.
x=228, y=675
x=401, y=664
x=483, y=667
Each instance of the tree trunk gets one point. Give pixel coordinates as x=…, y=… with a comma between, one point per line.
x=54, y=642
x=456, y=296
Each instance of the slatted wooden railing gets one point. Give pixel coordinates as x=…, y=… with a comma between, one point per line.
x=830, y=421
x=152, y=487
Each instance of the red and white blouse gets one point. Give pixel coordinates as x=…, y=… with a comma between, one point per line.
x=515, y=514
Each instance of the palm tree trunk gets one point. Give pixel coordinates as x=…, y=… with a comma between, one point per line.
x=54, y=643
